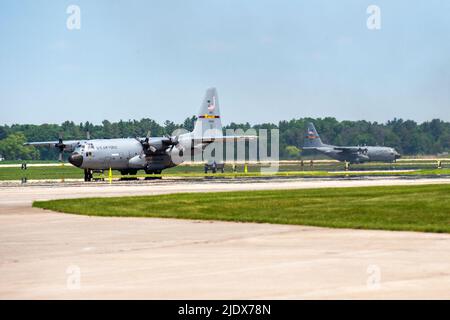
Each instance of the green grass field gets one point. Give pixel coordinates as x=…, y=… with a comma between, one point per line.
x=27, y=161
x=57, y=172
x=413, y=208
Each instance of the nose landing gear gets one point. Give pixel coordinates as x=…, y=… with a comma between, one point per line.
x=87, y=175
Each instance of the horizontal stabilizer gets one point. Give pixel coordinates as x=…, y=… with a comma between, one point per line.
x=224, y=139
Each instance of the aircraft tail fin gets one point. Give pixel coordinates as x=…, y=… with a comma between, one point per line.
x=208, y=119
x=312, y=138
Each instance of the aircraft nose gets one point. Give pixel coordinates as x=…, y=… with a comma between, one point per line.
x=76, y=159
x=397, y=155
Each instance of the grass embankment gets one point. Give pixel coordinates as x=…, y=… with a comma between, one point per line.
x=413, y=208
x=196, y=171
x=56, y=172
x=29, y=162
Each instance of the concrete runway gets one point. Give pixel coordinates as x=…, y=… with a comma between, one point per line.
x=60, y=256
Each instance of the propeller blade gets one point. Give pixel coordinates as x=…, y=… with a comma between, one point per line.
x=171, y=140
x=88, y=135
x=61, y=146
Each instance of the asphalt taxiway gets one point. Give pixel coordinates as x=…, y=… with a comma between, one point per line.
x=51, y=255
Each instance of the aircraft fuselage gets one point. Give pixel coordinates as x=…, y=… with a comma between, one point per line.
x=118, y=154
x=364, y=154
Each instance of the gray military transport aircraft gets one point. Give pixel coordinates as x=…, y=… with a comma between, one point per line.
x=152, y=154
x=351, y=154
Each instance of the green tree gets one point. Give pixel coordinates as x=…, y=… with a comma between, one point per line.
x=12, y=148
x=292, y=152
x=407, y=136
x=189, y=123
x=3, y=133
x=170, y=127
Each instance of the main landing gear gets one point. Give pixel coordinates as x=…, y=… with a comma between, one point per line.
x=147, y=171
x=125, y=173
x=87, y=175
x=215, y=167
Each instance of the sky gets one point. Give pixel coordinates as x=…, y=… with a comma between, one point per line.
x=270, y=60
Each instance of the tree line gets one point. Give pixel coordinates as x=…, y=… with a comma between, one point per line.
x=407, y=136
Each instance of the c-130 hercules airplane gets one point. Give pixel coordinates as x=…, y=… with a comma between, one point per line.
x=152, y=154
x=351, y=154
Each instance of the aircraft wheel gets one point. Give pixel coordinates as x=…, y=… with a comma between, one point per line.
x=153, y=171
x=87, y=175
x=128, y=172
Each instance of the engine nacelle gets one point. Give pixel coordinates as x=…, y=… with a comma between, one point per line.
x=154, y=162
x=137, y=162
x=177, y=152
x=363, y=157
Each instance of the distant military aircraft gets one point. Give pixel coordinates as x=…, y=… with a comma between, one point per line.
x=351, y=154
x=152, y=154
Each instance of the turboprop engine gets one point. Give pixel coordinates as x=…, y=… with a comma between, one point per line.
x=138, y=162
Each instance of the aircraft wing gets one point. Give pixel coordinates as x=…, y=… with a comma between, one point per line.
x=223, y=139
x=202, y=142
x=310, y=148
x=350, y=149
x=70, y=144
x=48, y=144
